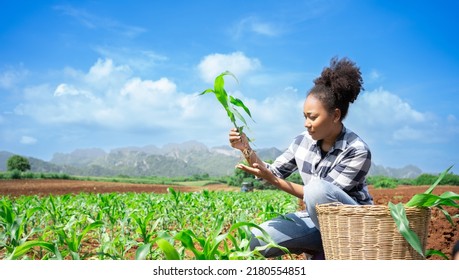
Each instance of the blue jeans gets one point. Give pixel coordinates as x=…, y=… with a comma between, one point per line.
x=300, y=232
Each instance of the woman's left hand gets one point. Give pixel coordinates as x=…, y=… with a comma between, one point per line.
x=258, y=170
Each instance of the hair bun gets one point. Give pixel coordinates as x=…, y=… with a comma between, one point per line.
x=344, y=79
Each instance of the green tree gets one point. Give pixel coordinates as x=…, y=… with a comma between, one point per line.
x=17, y=162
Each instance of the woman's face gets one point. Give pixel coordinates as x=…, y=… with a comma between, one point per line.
x=319, y=122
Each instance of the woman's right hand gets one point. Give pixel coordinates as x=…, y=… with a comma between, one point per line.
x=238, y=140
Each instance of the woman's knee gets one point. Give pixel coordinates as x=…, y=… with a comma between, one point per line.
x=316, y=191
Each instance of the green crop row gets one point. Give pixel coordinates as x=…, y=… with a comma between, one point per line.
x=200, y=225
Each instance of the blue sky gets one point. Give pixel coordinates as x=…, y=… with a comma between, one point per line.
x=109, y=74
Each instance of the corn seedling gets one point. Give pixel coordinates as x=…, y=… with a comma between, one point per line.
x=229, y=102
x=73, y=233
x=426, y=199
x=217, y=245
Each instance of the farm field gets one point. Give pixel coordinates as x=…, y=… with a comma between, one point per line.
x=441, y=234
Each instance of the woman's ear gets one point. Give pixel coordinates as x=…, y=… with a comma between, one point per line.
x=337, y=115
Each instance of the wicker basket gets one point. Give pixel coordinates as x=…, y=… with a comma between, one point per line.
x=368, y=232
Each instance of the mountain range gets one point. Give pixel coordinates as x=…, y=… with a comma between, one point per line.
x=172, y=160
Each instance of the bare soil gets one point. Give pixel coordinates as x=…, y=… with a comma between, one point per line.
x=442, y=235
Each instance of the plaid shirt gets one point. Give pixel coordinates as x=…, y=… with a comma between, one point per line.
x=346, y=164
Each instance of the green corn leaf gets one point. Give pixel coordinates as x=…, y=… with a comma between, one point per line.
x=211, y=249
x=222, y=97
x=230, y=113
x=75, y=255
x=219, y=90
x=187, y=240
x=430, y=200
x=423, y=200
x=450, y=195
x=201, y=241
x=168, y=249
x=92, y=226
x=239, y=116
x=237, y=247
x=219, y=83
x=142, y=252
x=447, y=215
x=22, y=249
x=230, y=74
x=265, y=236
x=209, y=90
x=438, y=180
x=6, y=213
x=401, y=221
x=239, y=103
x=431, y=252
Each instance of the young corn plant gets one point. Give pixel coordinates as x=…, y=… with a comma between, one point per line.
x=72, y=234
x=143, y=226
x=426, y=199
x=229, y=102
x=217, y=245
x=14, y=222
x=56, y=228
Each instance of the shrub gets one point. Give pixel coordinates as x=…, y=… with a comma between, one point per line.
x=28, y=175
x=15, y=174
x=429, y=179
x=386, y=184
x=425, y=179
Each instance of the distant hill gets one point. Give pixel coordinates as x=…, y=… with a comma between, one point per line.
x=4, y=156
x=409, y=171
x=172, y=160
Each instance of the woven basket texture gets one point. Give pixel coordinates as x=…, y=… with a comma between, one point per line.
x=368, y=232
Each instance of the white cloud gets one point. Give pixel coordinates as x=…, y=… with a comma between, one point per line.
x=109, y=96
x=407, y=133
x=383, y=117
x=451, y=118
x=254, y=25
x=138, y=59
x=264, y=28
x=93, y=21
x=65, y=89
x=237, y=63
x=374, y=76
x=9, y=78
x=129, y=103
x=382, y=108
x=105, y=73
x=152, y=92
x=28, y=140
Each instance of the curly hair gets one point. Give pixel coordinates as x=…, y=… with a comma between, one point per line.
x=338, y=85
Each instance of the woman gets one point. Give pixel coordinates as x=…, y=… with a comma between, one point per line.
x=332, y=160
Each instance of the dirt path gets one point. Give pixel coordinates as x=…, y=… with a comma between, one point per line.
x=442, y=235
